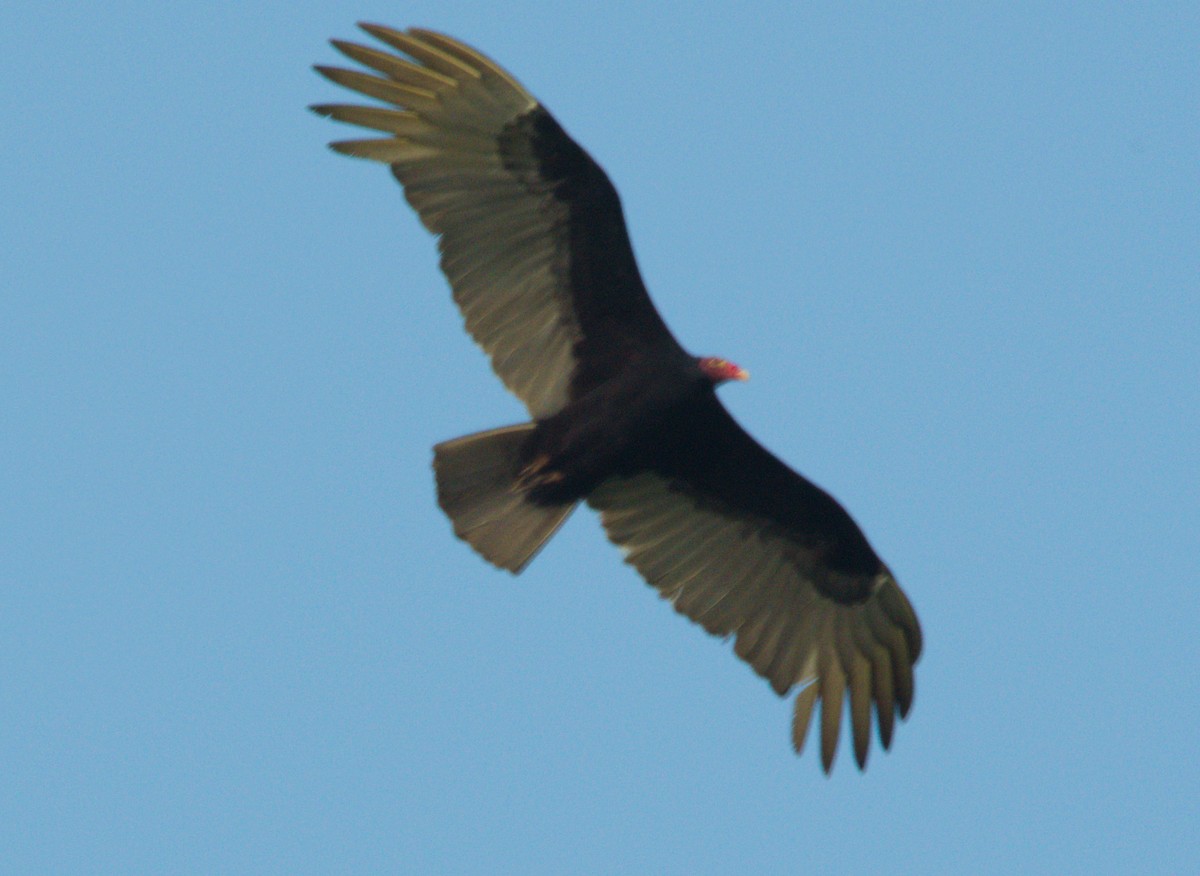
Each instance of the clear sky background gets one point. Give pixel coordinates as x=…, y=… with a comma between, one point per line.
x=958, y=247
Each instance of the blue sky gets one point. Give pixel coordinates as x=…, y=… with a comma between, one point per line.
x=958, y=247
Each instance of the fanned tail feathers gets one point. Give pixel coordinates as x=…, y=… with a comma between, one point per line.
x=477, y=488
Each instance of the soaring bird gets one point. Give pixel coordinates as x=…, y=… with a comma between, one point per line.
x=533, y=242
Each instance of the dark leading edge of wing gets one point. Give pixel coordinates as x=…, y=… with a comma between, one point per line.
x=535, y=248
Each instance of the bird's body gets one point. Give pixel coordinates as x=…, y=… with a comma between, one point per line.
x=534, y=244
x=618, y=427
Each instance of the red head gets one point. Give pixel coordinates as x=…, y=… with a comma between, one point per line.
x=719, y=370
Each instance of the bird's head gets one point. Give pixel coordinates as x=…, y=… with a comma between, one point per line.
x=719, y=370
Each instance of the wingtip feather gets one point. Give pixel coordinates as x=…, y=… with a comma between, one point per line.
x=833, y=687
x=806, y=700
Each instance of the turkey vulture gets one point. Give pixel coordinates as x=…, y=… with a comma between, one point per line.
x=534, y=244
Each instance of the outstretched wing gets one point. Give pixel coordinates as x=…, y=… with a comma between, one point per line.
x=533, y=240
x=746, y=547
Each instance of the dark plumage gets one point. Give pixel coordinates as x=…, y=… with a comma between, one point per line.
x=534, y=244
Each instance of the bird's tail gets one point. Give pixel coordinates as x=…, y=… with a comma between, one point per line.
x=478, y=488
